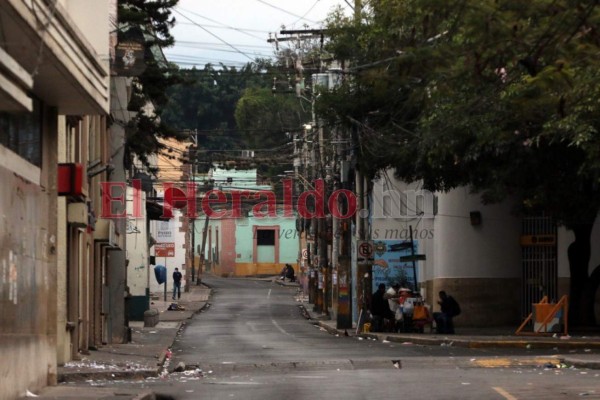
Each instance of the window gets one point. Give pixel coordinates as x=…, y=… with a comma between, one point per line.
x=22, y=133
x=265, y=237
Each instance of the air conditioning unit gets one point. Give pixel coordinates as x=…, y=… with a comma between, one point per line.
x=77, y=214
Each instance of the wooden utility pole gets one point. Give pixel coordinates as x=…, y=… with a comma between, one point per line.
x=202, y=250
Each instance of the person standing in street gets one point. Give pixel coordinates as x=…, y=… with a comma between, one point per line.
x=177, y=283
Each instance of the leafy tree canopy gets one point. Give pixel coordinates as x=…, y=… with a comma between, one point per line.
x=497, y=95
x=149, y=22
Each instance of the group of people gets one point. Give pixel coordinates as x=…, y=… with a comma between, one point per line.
x=404, y=312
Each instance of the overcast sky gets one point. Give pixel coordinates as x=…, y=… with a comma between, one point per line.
x=235, y=32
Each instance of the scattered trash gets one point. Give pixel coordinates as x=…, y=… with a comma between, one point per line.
x=385, y=341
x=528, y=346
x=566, y=337
x=359, y=338
x=29, y=394
x=180, y=367
x=397, y=364
x=465, y=383
x=587, y=350
x=549, y=365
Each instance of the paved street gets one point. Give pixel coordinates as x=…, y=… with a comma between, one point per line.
x=253, y=343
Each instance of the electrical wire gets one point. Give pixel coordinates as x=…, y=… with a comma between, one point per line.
x=286, y=11
x=243, y=31
x=306, y=13
x=213, y=35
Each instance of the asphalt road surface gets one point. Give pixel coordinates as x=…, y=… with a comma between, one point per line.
x=254, y=343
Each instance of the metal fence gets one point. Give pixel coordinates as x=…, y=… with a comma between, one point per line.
x=540, y=275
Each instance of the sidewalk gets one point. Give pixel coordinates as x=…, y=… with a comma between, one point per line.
x=587, y=346
x=142, y=358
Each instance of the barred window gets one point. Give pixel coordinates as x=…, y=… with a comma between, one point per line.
x=22, y=133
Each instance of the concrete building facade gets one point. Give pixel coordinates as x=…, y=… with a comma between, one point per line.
x=478, y=253
x=52, y=64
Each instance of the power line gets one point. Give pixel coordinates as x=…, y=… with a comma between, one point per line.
x=213, y=35
x=286, y=11
x=241, y=30
x=220, y=23
x=192, y=42
x=306, y=13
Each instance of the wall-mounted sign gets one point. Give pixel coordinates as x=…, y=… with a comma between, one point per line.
x=164, y=249
x=538, y=240
x=365, y=252
x=129, y=59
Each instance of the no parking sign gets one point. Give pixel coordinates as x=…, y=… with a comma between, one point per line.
x=365, y=251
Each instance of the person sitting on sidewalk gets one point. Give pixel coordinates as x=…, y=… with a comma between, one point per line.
x=380, y=309
x=449, y=310
x=177, y=283
x=392, y=297
x=290, y=273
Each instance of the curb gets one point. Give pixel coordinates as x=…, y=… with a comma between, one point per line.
x=479, y=344
x=163, y=355
x=106, y=375
x=578, y=363
x=145, y=396
x=472, y=344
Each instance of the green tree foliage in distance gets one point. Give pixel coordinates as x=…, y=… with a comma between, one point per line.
x=149, y=22
x=234, y=109
x=500, y=96
x=205, y=101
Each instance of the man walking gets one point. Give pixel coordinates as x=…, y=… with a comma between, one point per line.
x=177, y=283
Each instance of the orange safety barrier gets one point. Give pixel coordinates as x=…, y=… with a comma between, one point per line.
x=547, y=315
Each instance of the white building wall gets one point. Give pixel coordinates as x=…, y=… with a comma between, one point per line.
x=461, y=250
x=169, y=232
x=138, y=270
x=92, y=20
x=478, y=264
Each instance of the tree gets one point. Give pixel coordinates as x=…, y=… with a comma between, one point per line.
x=496, y=95
x=149, y=22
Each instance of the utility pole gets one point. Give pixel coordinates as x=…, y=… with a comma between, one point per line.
x=364, y=272
x=202, y=250
x=193, y=249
